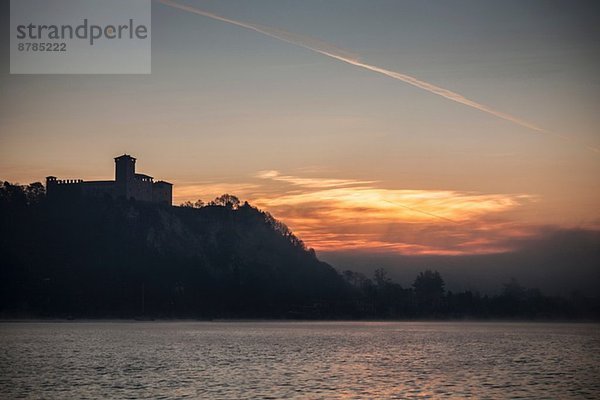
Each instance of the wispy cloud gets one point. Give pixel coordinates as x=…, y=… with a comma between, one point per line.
x=334, y=214
x=310, y=182
x=342, y=214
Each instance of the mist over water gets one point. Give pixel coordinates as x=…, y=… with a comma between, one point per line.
x=298, y=360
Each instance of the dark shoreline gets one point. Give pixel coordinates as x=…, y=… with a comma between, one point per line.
x=275, y=320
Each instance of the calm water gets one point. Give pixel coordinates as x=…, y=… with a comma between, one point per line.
x=298, y=360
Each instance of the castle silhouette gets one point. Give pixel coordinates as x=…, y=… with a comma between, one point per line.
x=127, y=184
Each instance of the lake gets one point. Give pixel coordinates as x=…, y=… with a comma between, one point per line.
x=238, y=360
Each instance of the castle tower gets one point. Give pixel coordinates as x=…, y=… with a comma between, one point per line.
x=50, y=186
x=124, y=168
x=124, y=175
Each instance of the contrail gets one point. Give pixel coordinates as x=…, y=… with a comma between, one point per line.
x=331, y=51
x=422, y=212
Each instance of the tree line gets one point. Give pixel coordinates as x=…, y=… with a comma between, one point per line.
x=427, y=298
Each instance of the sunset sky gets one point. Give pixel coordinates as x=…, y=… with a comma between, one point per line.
x=347, y=157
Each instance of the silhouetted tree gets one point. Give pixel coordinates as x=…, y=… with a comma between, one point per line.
x=34, y=193
x=197, y=204
x=13, y=194
x=283, y=229
x=381, y=277
x=227, y=201
x=357, y=279
x=429, y=292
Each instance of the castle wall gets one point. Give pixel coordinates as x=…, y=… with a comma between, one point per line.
x=162, y=193
x=63, y=189
x=99, y=188
x=127, y=184
x=140, y=189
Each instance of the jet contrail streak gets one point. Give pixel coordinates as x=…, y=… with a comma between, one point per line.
x=331, y=51
x=422, y=212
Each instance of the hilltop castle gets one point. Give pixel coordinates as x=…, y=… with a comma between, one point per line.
x=127, y=184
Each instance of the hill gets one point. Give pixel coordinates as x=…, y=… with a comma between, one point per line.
x=117, y=258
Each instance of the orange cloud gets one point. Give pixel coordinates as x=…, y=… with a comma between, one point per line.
x=343, y=214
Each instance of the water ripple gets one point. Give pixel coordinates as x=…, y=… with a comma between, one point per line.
x=276, y=360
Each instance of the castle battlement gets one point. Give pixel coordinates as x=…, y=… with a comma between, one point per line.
x=63, y=181
x=127, y=184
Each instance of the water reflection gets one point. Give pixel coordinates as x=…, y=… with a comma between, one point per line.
x=298, y=360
